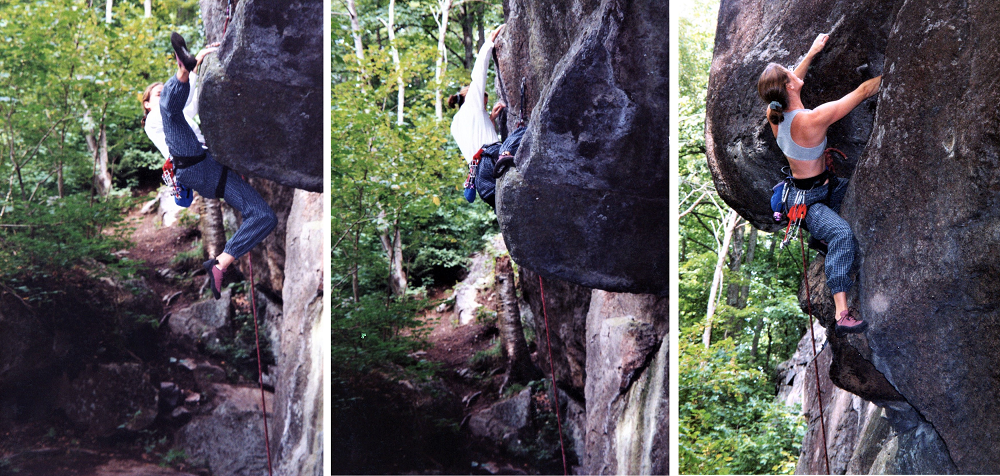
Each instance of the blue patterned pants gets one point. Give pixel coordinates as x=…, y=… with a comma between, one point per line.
x=825, y=223
x=205, y=176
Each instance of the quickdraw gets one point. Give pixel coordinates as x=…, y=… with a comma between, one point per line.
x=796, y=213
x=229, y=15
x=170, y=178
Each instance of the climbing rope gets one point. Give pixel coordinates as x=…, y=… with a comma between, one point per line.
x=260, y=370
x=819, y=393
x=552, y=368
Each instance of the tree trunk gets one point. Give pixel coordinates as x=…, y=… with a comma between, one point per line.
x=107, y=12
x=354, y=272
x=756, y=338
x=213, y=228
x=99, y=147
x=751, y=248
x=440, y=65
x=59, y=179
x=468, y=23
x=735, y=262
x=359, y=49
x=480, y=18
x=520, y=369
x=401, y=87
x=148, y=4
x=392, y=244
x=729, y=224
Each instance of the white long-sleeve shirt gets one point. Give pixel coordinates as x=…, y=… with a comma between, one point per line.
x=154, y=121
x=472, y=127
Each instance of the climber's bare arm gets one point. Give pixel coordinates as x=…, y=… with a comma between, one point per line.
x=816, y=47
x=820, y=118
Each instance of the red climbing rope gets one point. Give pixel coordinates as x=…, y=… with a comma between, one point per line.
x=260, y=369
x=552, y=368
x=819, y=393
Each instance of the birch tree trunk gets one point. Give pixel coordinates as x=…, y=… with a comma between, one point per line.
x=213, y=228
x=440, y=65
x=729, y=224
x=107, y=12
x=392, y=244
x=148, y=4
x=99, y=147
x=400, y=85
x=359, y=49
x=520, y=369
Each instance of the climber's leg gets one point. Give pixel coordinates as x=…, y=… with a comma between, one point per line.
x=825, y=224
x=258, y=219
x=507, y=152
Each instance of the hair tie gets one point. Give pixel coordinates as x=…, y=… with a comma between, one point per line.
x=776, y=106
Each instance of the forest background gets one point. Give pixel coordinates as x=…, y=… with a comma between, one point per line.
x=72, y=147
x=400, y=224
x=739, y=312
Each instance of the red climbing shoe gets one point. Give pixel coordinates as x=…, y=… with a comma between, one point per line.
x=849, y=324
x=180, y=48
x=214, y=277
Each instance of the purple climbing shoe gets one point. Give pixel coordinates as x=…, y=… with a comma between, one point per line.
x=849, y=324
x=180, y=48
x=214, y=277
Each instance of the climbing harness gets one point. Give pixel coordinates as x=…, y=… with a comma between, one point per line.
x=552, y=369
x=798, y=209
x=260, y=370
x=812, y=336
x=183, y=196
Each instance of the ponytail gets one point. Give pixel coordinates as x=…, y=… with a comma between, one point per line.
x=775, y=113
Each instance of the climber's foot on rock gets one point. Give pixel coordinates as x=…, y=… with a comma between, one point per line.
x=181, y=50
x=505, y=162
x=848, y=323
x=214, y=277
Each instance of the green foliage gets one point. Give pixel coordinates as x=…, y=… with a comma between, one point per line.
x=66, y=77
x=42, y=238
x=190, y=259
x=542, y=448
x=238, y=348
x=379, y=334
x=730, y=422
x=390, y=177
x=487, y=360
x=173, y=457
x=137, y=164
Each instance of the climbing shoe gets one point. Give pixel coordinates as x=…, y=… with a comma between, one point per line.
x=180, y=48
x=214, y=277
x=849, y=324
x=505, y=162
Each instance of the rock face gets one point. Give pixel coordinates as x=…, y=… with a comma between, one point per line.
x=229, y=434
x=627, y=385
x=107, y=397
x=298, y=423
x=261, y=103
x=203, y=320
x=587, y=201
x=566, y=306
x=861, y=437
x=922, y=202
